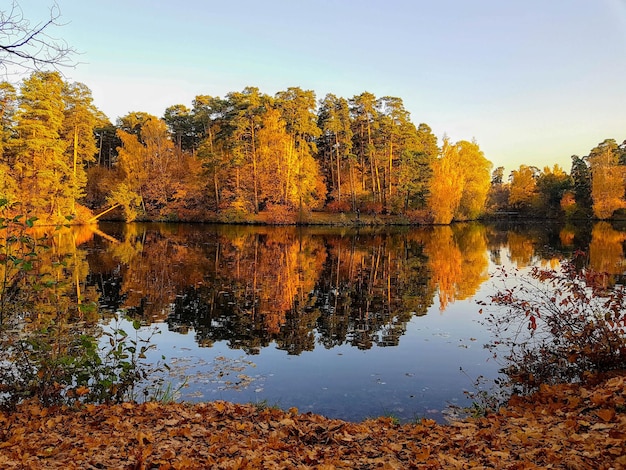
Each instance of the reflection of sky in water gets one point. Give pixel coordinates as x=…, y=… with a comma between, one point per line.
x=419, y=377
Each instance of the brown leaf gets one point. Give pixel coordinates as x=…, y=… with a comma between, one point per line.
x=606, y=414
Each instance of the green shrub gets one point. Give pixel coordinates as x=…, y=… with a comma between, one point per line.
x=61, y=364
x=49, y=351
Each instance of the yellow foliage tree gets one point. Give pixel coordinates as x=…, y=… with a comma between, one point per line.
x=607, y=179
x=149, y=166
x=523, y=188
x=460, y=182
x=274, y=158
x=477, y=180
x=446, y=185
x=40, y=168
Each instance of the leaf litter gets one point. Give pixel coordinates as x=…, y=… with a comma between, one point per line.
x=569, y=426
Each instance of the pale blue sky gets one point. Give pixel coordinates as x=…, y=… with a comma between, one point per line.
x=532, y=81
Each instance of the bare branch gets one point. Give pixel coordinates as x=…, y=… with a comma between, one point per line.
x=31, y=47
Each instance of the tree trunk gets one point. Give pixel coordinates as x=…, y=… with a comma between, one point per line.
x=338, y=169
x=254, y=169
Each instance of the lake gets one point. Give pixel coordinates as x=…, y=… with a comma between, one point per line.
x=346, y=322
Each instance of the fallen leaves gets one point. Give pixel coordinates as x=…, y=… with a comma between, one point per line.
x=566, y=426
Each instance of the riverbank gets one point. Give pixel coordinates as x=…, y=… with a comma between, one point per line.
x=566, y=426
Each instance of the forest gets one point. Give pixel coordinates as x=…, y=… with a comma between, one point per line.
x=282, y=159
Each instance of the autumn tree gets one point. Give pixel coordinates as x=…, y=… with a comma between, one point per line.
x=133, y=122
x=80, y=117
x=461, y=179
x=304, y=186
x=447, y=183
x=46, y=142
x=41, y=168
x=243, y=117
x=476, y=180
x=275, y=165
x=523, y=193
x=148, y=165
x=8, y=106
x=552, y=185
x=607, y=179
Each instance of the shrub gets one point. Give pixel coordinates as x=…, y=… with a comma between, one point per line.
x=372, y=208
x=278, y=214
x=338, y=206
x=418, y=216
x=48, y=350
x=558, y=325
x=60, y=364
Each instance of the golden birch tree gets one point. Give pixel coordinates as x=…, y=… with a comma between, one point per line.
x=607, y=179
x=447, y=184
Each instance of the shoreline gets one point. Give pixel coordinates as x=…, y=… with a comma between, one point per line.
x=560, y=426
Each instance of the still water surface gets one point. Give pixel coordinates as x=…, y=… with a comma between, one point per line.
x=349, y=323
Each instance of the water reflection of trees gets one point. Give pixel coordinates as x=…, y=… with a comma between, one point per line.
x=298, y=288
x=524, y=245
x=606, y=250
x=254, y=286
x=43, y=283
x=370, y=289
x=458, y=259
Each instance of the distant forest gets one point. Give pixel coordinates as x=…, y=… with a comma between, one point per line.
x=278, y=159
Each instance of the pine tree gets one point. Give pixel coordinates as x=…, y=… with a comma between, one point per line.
x=78, y=131
x=42, y=171
x=8, y=104
x=335, y=145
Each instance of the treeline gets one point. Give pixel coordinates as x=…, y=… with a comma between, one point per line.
x=251, y=156
x=595, y=187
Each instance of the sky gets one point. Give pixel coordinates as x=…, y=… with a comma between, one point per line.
x=532, y=82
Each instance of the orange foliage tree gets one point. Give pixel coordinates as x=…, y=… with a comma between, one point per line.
x=153, y=173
